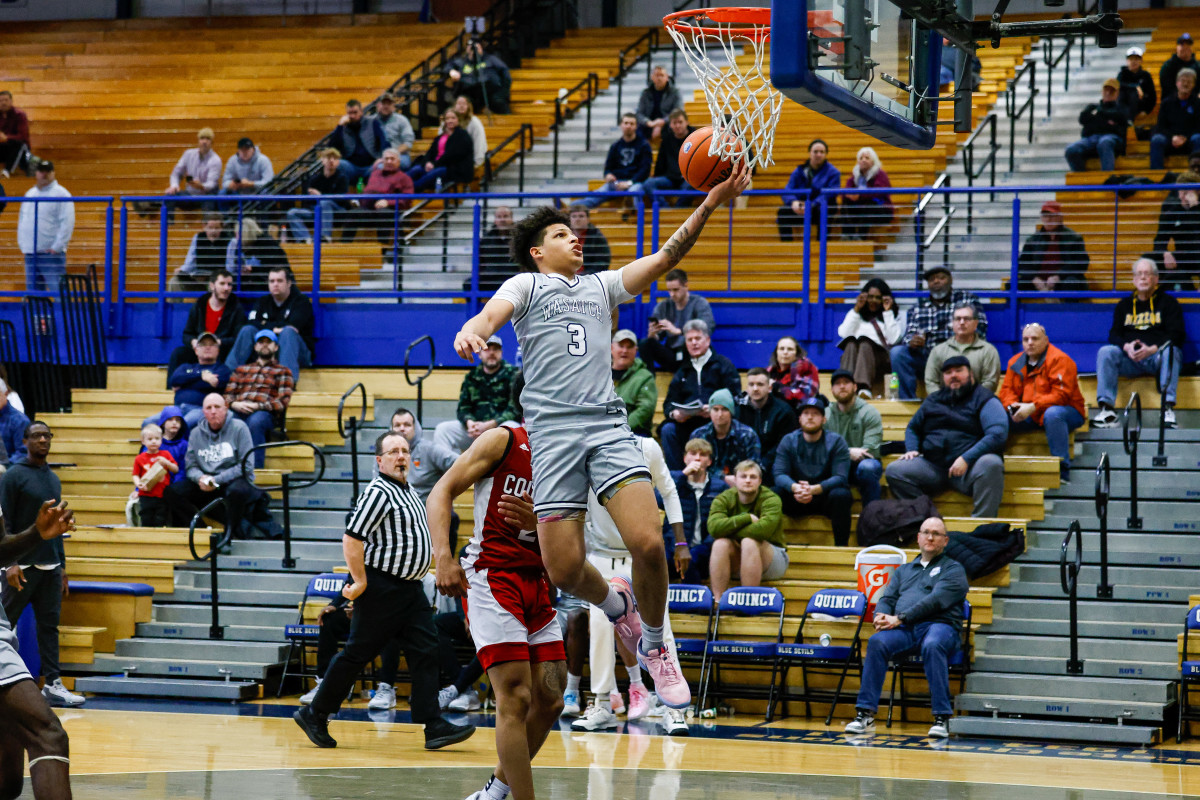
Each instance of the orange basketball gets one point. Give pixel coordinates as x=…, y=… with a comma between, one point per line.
x=699, y=169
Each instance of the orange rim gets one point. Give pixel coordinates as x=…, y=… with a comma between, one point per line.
x=757, y=20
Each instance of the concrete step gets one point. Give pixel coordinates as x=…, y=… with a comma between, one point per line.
x=300, y=549
x=1143, y=548
x=1091, y=611
x=1173, y=578
x=228, y=650
x=241, y=597
x=973, y=702
x=1102, y=630
x=200, y=630
x=1177, y=594
x=1162, y=515
x=1056, y=730
x=1071, y=687
x=183, y=667
x=271, y=563
x=234, y=691
x=231, y=614
x=259, y=581
x=1092, y=667
x=1055, y=647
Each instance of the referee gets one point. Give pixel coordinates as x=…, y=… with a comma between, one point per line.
x=388, y=550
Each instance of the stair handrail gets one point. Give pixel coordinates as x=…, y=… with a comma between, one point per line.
x=1131, y=432
x=1052, y=63
x=1014, y=114
x=1068, y=573
x=1104, y=589
x=285, y=487
x=918, y=217
x=420, y=379
x=217, y=540
x=1160, y=458
x=653, y=39
x=490, y=168
x=990, y=122
x=562, y=105
x=351, y=433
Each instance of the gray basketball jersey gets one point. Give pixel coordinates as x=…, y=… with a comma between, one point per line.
x=565, y=331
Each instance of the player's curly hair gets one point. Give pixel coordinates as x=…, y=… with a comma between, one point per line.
x=531, y=232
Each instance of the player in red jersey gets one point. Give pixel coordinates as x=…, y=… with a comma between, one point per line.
x=508, y=599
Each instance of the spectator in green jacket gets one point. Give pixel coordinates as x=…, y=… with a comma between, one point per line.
x=745, y=523
x=859, y=423
x=633, y=382
x=484, y=402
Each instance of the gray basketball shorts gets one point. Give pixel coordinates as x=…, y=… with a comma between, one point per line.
x=572, y=452
x=12, y=668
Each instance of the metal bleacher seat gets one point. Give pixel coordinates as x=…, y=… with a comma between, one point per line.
x=741, y=603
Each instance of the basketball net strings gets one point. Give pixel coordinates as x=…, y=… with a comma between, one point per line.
x=746, y=105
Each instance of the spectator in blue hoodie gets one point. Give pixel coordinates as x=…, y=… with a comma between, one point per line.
x=805, y=186
x=627, y=165
x=12, y=428
x=174, y=434
x=696, y=489
x=192, y=382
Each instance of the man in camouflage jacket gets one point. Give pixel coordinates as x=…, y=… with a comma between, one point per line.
x=484, y=402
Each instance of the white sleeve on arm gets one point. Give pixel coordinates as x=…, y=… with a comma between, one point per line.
x=663, y=481
x=614, y=287
x=517, y=290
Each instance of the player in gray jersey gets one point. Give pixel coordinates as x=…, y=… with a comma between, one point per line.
x=578, y=429
x=26, y=722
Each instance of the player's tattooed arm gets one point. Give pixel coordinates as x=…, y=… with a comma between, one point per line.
x=682, y=240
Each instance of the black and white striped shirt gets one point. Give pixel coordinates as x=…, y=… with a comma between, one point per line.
x=390, y=519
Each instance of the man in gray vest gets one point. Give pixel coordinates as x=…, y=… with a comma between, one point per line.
x=956, y=440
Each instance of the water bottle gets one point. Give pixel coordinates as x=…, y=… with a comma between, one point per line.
x=437, y=187
x=893, y=387
x=826, y=639
x=360, y=185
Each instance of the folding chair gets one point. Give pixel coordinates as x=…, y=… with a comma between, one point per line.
x=1189, y=674
x=301, y=635
x=959, y=664
x=821, y=659
x=742, y=603
x=695, y=601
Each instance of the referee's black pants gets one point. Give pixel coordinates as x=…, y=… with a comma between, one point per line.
x=389, y=607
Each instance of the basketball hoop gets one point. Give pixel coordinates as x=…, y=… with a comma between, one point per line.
x=743, y=103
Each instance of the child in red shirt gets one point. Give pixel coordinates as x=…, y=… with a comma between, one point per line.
x=151, y=506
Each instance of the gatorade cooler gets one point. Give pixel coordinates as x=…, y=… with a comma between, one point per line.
x=875, y=566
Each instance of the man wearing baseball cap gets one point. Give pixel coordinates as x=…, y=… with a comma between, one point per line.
x=633, y=382
x=1103, y=131
x=1175, y=131
x=812, y=471
x=260, y=391
x=955, y=440
x=1183, y=58
x=484, y=402
x=929, y=324
x=861, y=425
x=247, y=170
x=1054, y=258
x=1137, y=94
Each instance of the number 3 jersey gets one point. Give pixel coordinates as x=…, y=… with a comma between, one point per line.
x=495, y=542
x=565, y=331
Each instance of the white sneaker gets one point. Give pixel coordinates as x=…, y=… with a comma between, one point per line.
x=308, y=697
x=1105, y=418
x=616, y=702
x=467, y=701
x=59, y=695
x=446, y=695
x=674, y=722
x=1169, y=418
x=940, y=728
x=596, y=718
x=384, y=698
x=862, y=723
x=571, y=703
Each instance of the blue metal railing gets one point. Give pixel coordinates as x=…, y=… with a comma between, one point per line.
x=814, y=256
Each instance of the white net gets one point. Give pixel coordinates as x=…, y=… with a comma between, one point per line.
x=744, y=106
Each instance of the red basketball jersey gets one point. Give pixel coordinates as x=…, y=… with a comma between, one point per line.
x=495, y=542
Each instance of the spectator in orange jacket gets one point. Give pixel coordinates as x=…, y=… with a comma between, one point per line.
x=1041, y=390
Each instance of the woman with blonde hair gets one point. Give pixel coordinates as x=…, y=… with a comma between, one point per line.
x=473, y=126
x=863, y=212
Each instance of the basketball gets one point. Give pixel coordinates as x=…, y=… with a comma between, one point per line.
x=700, y=170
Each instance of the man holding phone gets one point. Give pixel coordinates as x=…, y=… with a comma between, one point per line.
x=1145, y=339
x=662, y=349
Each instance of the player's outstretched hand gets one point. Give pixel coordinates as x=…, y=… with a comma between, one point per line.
x=732, y=186
x=54, y=520
x=468, y=344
